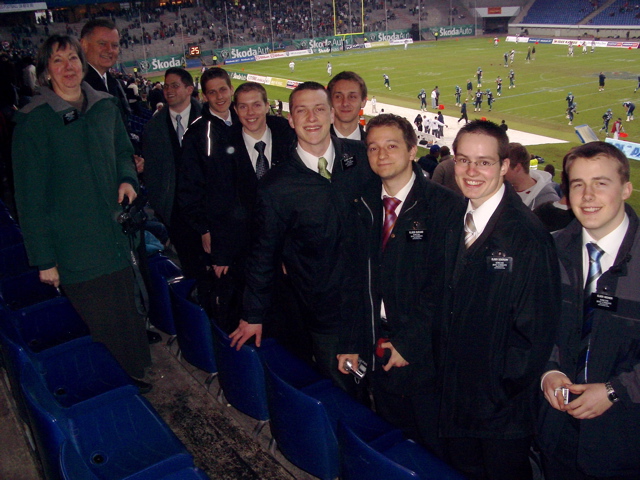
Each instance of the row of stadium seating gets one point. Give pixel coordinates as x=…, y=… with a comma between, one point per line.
x=85, y=417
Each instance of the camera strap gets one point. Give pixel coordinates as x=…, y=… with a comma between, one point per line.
x=141, y=293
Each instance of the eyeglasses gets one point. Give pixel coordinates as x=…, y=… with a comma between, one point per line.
x=465, y=162
x=171, y=86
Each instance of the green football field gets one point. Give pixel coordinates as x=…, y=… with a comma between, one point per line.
x=536, y=105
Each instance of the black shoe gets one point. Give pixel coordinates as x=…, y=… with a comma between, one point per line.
x=153, y=337
x=143, y=386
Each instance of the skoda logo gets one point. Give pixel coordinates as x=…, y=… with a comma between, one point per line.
x=144, y=65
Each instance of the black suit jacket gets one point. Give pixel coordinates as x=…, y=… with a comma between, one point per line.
x=93, y=78
x=498, y=331
x=409, y=274
x=306, y=221
x=162, y=155
x=609, y=444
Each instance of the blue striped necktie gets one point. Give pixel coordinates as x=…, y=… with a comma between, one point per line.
x=595, y=270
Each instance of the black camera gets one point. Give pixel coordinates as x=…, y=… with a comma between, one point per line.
x=133, y=216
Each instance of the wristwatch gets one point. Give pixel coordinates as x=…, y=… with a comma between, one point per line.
x=611, y=393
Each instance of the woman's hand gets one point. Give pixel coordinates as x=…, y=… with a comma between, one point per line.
x=50, y=276
x=126, y=190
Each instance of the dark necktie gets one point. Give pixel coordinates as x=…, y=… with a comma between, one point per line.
x=390, y=217
x=262, y=165
x=595, y=270
x=179, y=128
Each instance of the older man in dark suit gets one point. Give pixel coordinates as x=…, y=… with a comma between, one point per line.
x=100, y=41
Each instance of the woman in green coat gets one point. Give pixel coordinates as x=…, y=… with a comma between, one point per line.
x=73, y=166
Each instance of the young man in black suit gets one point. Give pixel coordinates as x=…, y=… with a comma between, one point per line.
x=304, y=216
x=348, y=93
x=594, y=434
x=502, y=308
x=409, y=227
x=162, y=150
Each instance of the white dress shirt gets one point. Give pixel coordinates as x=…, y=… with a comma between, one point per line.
x=311, y=161
x=250, y=143
x=610, y=244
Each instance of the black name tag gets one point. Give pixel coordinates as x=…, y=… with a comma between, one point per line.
x=499, y=264
x=415, y=235
x=71, y=116
x=348, y=161
x=604, y=302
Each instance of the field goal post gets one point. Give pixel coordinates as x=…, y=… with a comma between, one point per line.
x=337, y=9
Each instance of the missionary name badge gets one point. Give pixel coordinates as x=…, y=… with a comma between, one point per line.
x=604, y=301
x=416, y=234
x=499, y=262
x=348, y=161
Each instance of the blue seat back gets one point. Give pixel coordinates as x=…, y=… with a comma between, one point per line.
x=301, y=428
x=358, y=460
x=193, y=328
x=241, y=376
x=14, y=260
x=24, y=290
x=161, y=271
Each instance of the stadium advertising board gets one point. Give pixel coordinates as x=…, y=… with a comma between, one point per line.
x=237, y=54
x=630, y=149
x=388, y=36
x=574, y=42
x=322, y=44
x=156, y=64
x=454, y=31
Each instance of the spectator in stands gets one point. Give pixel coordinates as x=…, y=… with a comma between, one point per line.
x=444, y=173
x=429, y=162
x=304, y=219
x=162, y=149
x=156, y=95
x=407, y=278
x=501, y=313
x=533, y=186
x=73, y=166
x=348, y=93
x=594, y=435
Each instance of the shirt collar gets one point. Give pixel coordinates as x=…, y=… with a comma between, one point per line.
x=483, y=213
x=355, y=135
x=225, y=120
x=311, y=161
x=183, y=114
x=250, y=142
x=611, y=242
x=403, y=192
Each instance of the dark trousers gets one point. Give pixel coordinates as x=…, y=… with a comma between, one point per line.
x=108, y=307
x=188, y=245
x=415, y=415
x=490, y=459
x=562, y=465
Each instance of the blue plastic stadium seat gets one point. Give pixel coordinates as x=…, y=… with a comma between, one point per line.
x=193, y=330
x=304, y=420
x=391, y=457
x=241, y=377
x=162, y=271
x=121, y=439
x=14, y=261
x=24, y=290
x=186, y=474
x=10, y=234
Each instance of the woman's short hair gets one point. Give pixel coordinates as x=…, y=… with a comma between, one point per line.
x=50, y=46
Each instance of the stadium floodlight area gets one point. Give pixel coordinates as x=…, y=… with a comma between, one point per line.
x=347, y=11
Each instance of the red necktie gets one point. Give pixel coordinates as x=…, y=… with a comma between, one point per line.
x=390, y=217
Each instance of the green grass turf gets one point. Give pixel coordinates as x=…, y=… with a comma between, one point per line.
x=536, y=105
